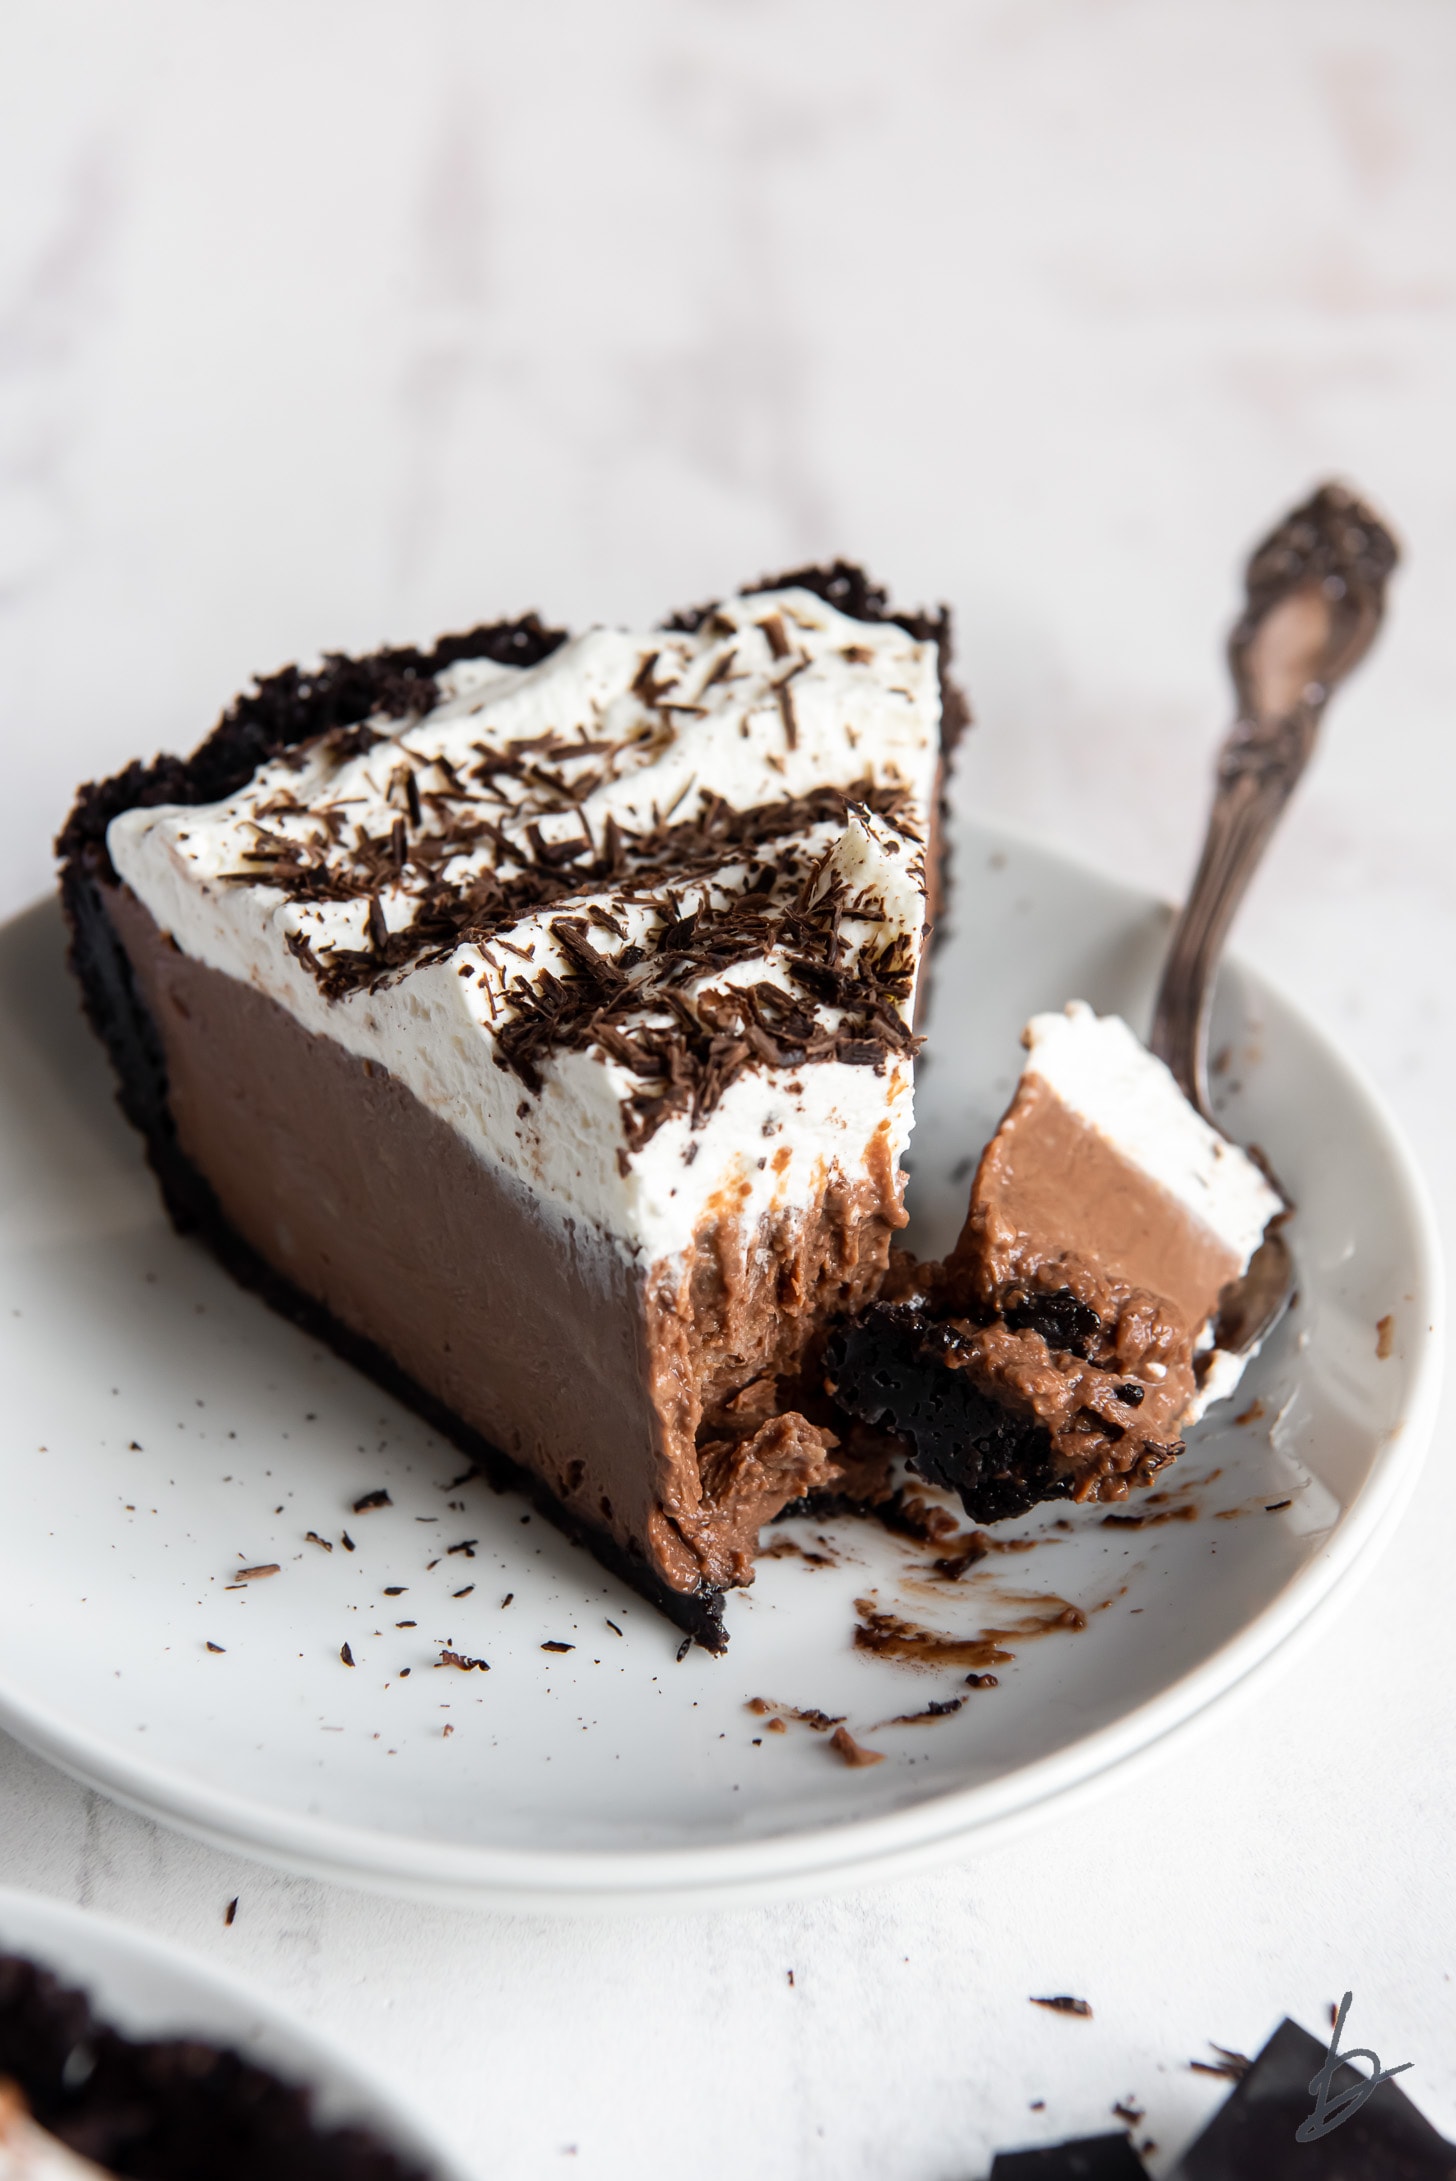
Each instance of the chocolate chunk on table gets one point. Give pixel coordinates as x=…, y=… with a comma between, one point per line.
x=1087, y=2158
x=1253, y=2132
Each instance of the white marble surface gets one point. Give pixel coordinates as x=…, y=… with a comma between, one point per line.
x=331, y=321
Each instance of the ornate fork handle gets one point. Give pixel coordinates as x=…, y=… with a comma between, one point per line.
x=1315, y=599
x=1258, y=769
x=1265, y=755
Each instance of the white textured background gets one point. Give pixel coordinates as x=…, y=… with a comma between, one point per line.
x=324, y=322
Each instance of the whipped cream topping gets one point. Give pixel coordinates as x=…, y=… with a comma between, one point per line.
x=642, y=922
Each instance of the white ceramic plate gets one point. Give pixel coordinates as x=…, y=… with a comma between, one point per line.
x=162, y=1430
x=144, y=1988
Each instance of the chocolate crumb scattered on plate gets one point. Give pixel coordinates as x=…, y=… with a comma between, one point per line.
x=466, y=1665
x=854, y=1753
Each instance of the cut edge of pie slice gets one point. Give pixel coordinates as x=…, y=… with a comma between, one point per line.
x=533, y=1019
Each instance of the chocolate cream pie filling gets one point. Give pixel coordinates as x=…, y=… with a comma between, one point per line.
x=534, y=1019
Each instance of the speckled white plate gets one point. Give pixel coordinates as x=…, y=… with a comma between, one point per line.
x=146, y=1988
x=162, y=1431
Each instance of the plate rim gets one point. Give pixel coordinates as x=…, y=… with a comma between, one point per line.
x=822, y=1854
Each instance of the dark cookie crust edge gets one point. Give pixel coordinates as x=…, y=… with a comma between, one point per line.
x=850, y=591
x=167, y=2109
x=287, y=708
x=283, y=710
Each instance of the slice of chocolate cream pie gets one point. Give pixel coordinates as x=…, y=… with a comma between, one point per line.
x=533, y=1018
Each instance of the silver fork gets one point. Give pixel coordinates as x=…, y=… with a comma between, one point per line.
x=1315, y=598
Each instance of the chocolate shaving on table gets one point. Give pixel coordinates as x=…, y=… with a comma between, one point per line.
x=1233, y=2065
